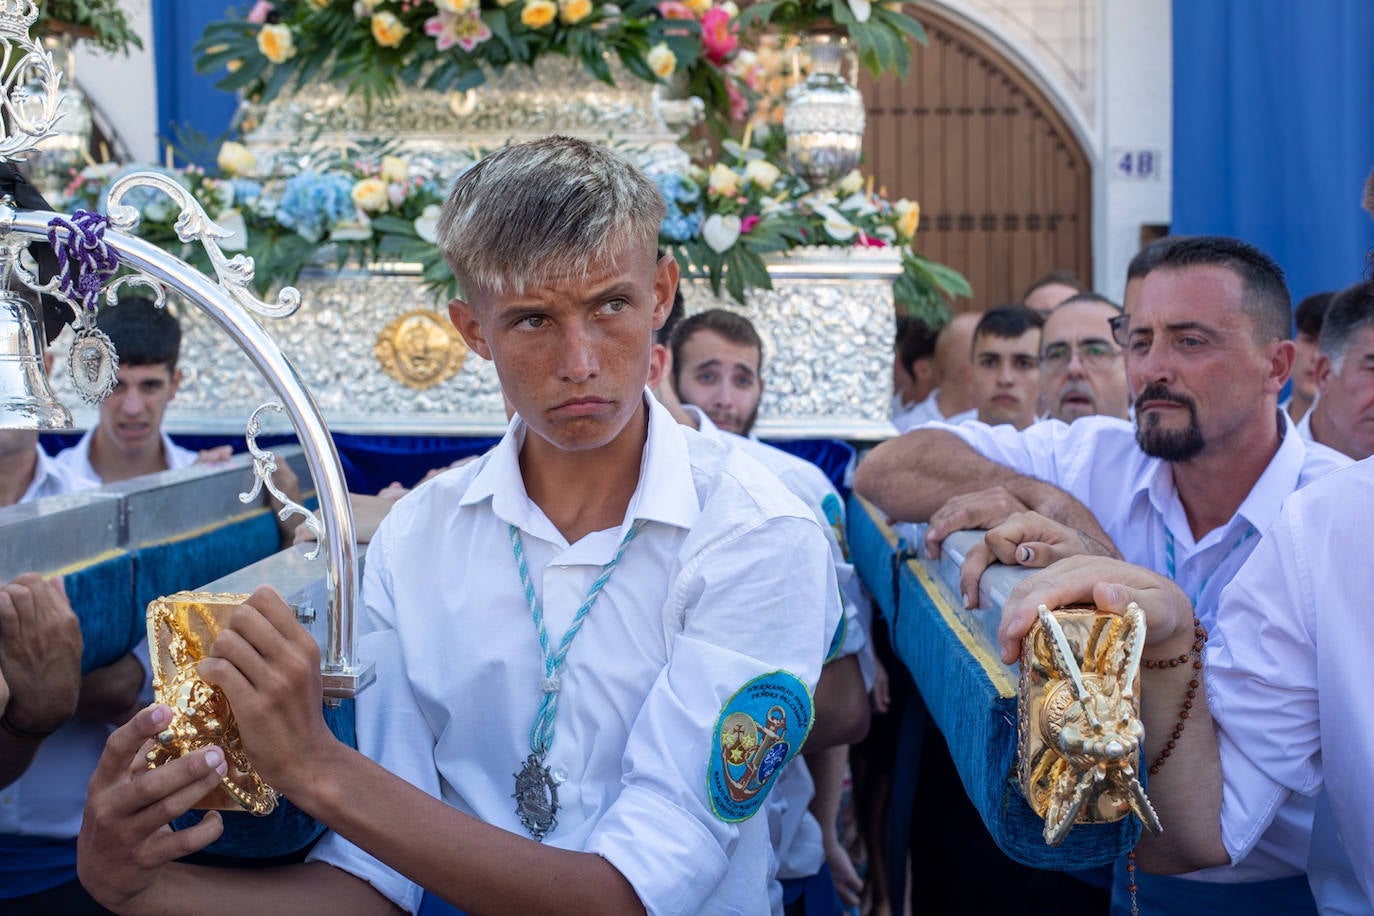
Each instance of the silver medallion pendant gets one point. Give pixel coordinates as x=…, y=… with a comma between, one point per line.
x=536, y=797
x=93, y=365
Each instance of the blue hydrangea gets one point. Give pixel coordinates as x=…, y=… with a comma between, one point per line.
x=311, y=203
x=682, y=222
x=246, y=191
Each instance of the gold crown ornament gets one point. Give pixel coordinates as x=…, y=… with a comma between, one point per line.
x=1079, y=734
x=181, y=629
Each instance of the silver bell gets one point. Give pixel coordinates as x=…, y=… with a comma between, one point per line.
x=26, y=400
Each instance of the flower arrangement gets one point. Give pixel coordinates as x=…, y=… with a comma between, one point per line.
x=721, y=222
x=367, y=209
x=370, y=46
x=371, y=207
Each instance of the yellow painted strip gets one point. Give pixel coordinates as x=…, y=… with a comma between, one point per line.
x=879, y=521
x=87, y=563
x=992, y=666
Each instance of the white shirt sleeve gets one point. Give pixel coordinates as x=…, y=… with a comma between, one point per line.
x=1261, y=682
x=391, y=730
x=744, y=615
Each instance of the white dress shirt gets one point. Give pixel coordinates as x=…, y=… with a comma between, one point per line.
x=77, y=459
x=1304, y=425
x=928, y=411
x=727, y=581
x=49, y=479
x=1133, y=497
x=1289, y=683
x=796, y=834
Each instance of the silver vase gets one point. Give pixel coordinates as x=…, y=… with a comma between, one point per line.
x=824, y=117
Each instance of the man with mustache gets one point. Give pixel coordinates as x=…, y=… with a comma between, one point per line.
x=1081, y=371
x=1186, y=492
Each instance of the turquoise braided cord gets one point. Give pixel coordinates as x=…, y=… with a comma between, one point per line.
x=542, y=732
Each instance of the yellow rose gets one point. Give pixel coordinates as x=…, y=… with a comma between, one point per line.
x=457, y=7
x=723, y=180
x=762, y=173
x=699, y=6
x=908, y=217
x=394, y=169
x=276, y=43
x=370, y=195
x=538, y=13
x=388, y=30
x=235, y=159
x=662, y=61
x=572, y=12
x=851, y=183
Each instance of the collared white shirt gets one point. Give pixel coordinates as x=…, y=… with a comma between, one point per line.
x=49, y=479
x=1288, y=684
x=727, y=580
x=1304, y=426
x=1133, y=497
x=796, y=834
x=77, y=459
x=928, y=411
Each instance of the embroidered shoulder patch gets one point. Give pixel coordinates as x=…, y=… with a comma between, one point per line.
x=758, y=731
x=834, y=514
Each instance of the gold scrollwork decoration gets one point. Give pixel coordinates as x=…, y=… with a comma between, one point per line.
x=420, y=349
x=1080, y=732
x=181, y=629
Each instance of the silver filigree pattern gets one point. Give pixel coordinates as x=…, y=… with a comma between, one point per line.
x=30, y=92
x=827, y=327
x=194, y=225
x=264, y=466
x=322, y=121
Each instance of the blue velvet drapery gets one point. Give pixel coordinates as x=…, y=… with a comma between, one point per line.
x=1274, y=130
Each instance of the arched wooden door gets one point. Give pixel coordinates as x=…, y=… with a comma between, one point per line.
x=1004, y=186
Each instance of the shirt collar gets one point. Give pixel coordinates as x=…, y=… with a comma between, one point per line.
x=1259, y=508
x=46, y=473
x=665, y=493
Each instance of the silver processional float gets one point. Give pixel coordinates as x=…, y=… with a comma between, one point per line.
x=91, y=257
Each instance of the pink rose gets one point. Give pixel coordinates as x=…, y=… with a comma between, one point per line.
x=258, y=14
x=864, y=240
x=718, y=35
x=749, y=222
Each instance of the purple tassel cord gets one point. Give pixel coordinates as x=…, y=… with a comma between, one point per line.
x=84, y=261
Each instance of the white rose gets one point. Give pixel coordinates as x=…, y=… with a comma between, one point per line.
x=851, y=183
x=762, y=173
x=370, y=195
x=236, y=159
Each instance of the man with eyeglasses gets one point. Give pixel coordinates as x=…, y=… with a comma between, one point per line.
x=1187, y=490
x=1081, y=370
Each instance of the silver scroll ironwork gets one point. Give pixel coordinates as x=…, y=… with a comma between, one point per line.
x=264, y=467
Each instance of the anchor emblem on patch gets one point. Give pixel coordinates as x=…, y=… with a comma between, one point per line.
x=760, y=729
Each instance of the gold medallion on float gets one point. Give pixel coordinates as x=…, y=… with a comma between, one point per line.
x=420, y=349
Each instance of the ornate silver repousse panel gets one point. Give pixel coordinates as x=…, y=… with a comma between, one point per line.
x=443, y=132
x=827, y=327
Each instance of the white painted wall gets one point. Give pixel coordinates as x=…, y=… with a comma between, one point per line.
x=1136, y=79
x=124, y=89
